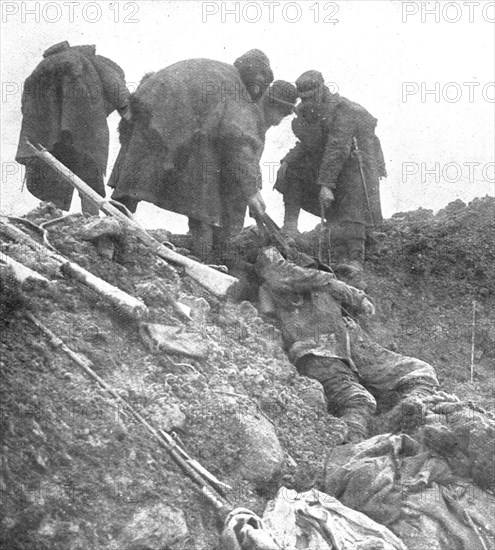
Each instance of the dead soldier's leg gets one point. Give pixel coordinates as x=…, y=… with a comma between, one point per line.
x=346, y=397
x=385, y=372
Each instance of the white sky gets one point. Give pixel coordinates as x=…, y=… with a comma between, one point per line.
x=372, y=51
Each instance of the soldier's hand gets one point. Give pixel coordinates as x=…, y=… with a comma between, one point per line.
x=367, y=308
x=256, y=205
x=326, y=196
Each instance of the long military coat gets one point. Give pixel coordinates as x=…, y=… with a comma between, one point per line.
x=194, y=143
x=72, y=90
x=324, y=154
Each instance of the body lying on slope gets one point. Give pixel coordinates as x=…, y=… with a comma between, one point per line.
x=334, y=350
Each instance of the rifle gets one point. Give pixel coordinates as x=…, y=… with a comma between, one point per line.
x=324, y=232
x=211, y=488
x=219, y=284
x=269, y=228
x=357, y=152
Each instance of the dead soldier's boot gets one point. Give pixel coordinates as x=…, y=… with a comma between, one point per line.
x=346, y=397
x=410, y=413
x=357, y=424
x=358, y=410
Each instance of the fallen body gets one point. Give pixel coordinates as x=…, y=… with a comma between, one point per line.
x=353, y=370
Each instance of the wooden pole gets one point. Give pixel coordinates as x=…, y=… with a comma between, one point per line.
x=219, y=284
x=85, y=364
x=473, y=334
x=131, y=306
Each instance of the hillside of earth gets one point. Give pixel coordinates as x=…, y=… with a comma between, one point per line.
x=79, y=472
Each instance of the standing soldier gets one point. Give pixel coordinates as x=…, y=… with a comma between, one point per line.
x=335, y=168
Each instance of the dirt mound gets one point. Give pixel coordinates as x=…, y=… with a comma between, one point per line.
x=78, y=471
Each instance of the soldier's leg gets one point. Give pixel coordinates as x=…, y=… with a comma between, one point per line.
x=224, y=252
x=201, y=239
x=292, y=189
x=292, y=209
x=128, y=202
x=354, y=235
x=346, y=397
x=384, y=371
x=88, y=171
x=88, y=207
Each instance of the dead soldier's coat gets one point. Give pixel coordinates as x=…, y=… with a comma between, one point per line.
x=308, y=305
x=324, y=154
x=194, y=142
x=70, y=93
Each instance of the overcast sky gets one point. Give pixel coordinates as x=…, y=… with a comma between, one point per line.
x=386, y=55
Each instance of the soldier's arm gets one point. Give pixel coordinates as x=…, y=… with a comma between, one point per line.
x=242, y=147
x=351, y=297
x=112, y=79
x=337, y=147
x=281, y=275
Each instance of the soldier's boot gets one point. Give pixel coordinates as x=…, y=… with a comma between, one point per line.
x=354, y=238
x=357, y=414
x=357, y=424
x=129, y=202
x=355, y=253
x=291, y=217
x=350, y=401
x=410, y=412
x=88, y=206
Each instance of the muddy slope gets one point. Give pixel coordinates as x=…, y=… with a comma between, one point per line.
x=77, y=472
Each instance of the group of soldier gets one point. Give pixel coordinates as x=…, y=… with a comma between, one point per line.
x=192, y=136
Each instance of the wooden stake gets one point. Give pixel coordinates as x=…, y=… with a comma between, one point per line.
x=472, y=340
x=219, y=284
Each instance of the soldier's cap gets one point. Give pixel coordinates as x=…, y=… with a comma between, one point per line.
x=57, y=48
x=255, y=60
x=283, y=94
x=309, y=82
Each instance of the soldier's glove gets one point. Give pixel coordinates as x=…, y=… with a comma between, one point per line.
x=367, y=308
x=326, y=197
x=256, y=205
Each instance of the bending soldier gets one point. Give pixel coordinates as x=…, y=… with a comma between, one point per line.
x=65, y=105
x=195, y=140
x=336, y=165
